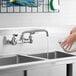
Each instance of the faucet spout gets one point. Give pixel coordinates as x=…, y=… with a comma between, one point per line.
x=40, y=30
x=36, y=30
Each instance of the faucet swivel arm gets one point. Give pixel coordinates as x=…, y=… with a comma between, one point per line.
x=33, y=32
x=36, y=30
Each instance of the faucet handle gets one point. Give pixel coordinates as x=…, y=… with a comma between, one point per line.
x=14, y=41
x=15, y=35
x=30, y=38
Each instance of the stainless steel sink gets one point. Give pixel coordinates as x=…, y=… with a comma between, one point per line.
x=53, y=55
x=16, y=60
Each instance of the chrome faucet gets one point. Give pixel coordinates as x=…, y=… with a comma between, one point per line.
x=31, y=32
x=23, y=39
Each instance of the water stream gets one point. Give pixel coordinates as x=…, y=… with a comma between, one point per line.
x=47, y=47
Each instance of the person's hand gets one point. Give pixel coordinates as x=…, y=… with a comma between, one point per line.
x=73, y=30
x=68, y=42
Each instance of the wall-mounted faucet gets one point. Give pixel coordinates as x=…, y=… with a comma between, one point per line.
x=31, y=32
x=23, y=39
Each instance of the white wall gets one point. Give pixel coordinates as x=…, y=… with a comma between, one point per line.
x=66, y=17
x=56, y=21
x=40, y=44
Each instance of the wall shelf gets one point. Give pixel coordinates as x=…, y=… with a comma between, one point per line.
x=42, y=6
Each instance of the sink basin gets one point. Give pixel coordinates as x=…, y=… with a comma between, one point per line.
x=16, y=60
x=53, y=55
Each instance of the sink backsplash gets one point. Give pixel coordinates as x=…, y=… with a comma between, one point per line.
x=40, y=42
